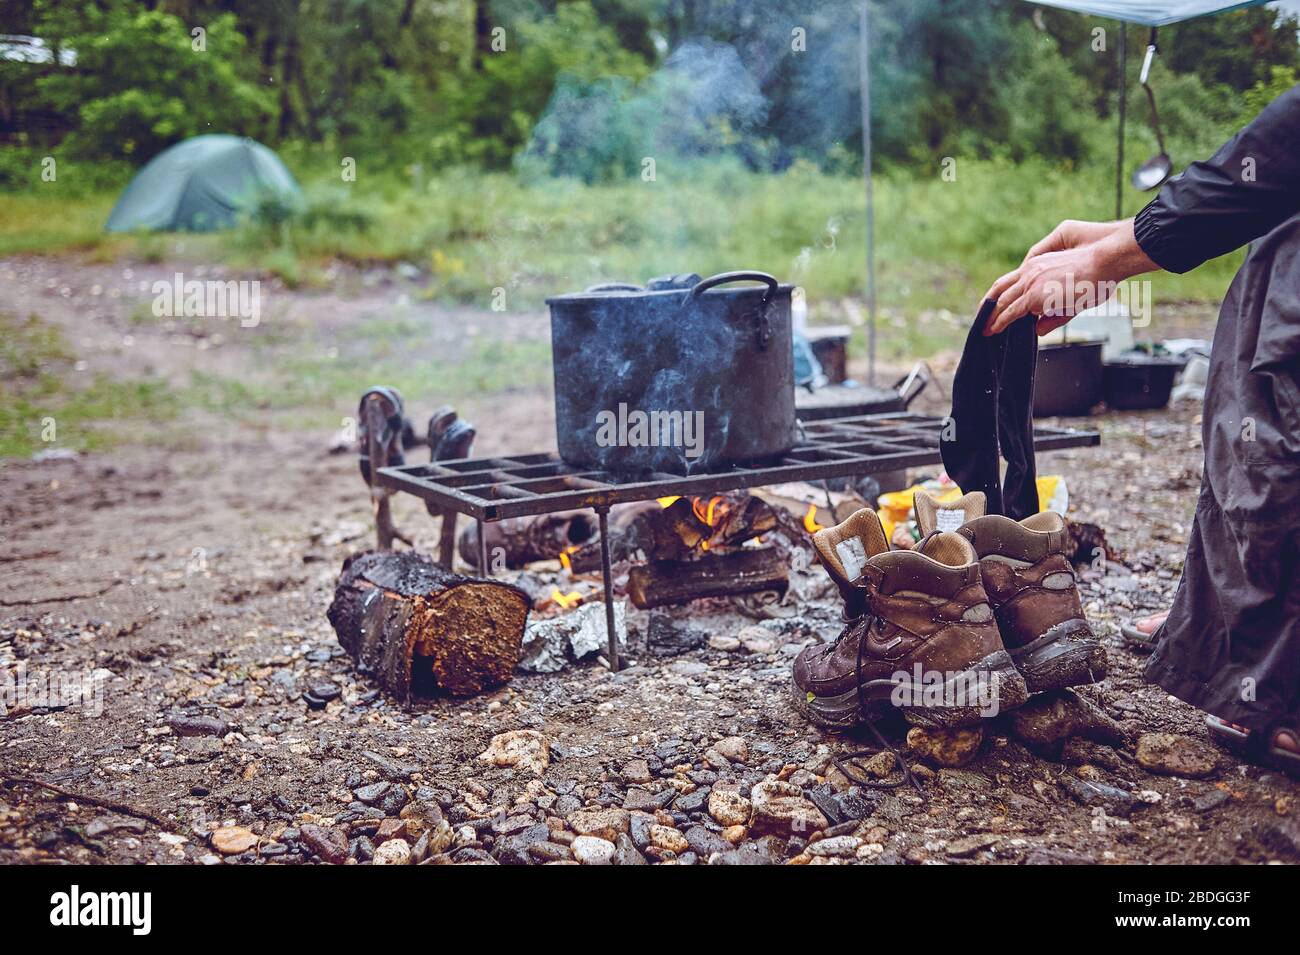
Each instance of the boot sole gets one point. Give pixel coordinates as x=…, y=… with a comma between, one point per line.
x=1066, y=655
x=846, y=710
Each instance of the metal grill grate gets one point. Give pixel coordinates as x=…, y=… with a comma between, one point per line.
x=493, y=489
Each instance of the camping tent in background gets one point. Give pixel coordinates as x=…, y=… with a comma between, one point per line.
x=203, y=184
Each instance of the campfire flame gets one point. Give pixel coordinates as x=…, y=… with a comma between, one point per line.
x=566, y=601
x=810, y=520
x=668, y=501
x=564, y=556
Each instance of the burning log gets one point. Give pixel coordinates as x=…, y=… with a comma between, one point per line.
x=417, y=626
x=662, y=582
x=677, y=528
x=522, y=540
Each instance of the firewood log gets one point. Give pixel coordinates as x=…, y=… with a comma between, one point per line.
x=522, y=540
x=418, y=627
x=663, y=582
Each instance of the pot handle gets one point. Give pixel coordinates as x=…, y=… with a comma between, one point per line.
x=724, y=278
x=613, y=287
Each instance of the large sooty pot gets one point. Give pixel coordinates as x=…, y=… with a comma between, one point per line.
x=679, y=377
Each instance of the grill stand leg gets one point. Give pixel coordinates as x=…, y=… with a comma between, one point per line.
x=483, y=568
x=607, y=579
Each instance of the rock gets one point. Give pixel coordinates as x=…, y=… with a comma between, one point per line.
x=516, y=849
x=694, y=801
x=756, y=640
x=637, y=771
x=373, y=793
x=602, y=823
x=705, y=842
x=645, y=801
x=780, y=808
x=880, y=765
x=733, y=748
x=969, y=845
x=331, y=845
x=955, y=747
x=1282, y=837
x=625, y=851
x=724, y=643
x=441, y=837
x=524, y=749
x=1116, y=802
x=102, y=825
x=186, y=724
x=734, y=835
x=393, y=852
x=552, y=644
x=1047, y=720
x=545, y=852
x=728, y=806
x=1169, y=754
x=835, y=846
x=232, y=840
x=669, y=840
x=590, y=850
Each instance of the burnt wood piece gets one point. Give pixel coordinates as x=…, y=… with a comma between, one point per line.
x=522, y=540
x=417, y=627
x=663, y=582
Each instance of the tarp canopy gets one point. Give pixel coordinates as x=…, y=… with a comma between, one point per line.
x=203, y=184
x=1151, y=13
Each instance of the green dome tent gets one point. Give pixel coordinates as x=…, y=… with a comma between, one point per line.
x=203, y=184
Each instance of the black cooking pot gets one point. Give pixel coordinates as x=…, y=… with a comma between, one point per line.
x=1139, y=382
x=1067, y=378
x=679, y=376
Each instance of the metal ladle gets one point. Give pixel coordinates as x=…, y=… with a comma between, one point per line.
x=1157, y=169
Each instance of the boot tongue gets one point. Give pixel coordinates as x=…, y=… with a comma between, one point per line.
x=845, y=548
x=934, y=515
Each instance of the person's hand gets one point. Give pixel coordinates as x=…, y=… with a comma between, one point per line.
x=1076, y=266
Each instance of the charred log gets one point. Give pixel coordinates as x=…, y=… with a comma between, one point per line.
x=418, y=627
x=664, y=582
x=522, y=540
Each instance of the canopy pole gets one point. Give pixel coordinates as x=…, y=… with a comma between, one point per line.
x=864, y=83
x=1123, y=108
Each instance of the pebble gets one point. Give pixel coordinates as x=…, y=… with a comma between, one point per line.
x=946, y=747
x=591, y=850
x=669, y=840
x=728, y=806
x=780, y=808
x=523, y=749
x=329, y=844
x=232, y=840
x=625, y=851
x=734, y=748
x=185, y=724
x=724, y=643
x=835, y=846
x=393, y=852
x=1169, y=754
x=603, y=823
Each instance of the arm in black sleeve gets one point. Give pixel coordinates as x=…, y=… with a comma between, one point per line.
x=1249, y=186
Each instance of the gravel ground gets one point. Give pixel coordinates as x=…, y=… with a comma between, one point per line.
x=189, y=586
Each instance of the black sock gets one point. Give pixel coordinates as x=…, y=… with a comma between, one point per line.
x=992, y=414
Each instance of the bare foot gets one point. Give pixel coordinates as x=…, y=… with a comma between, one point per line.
x=1283, y=739
x=1148, y=625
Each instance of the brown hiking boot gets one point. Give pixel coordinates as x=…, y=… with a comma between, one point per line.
x=920, y=634
x=1032, y=587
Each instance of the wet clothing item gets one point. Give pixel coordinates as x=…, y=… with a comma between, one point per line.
x=1231, y=644
x=992, y=413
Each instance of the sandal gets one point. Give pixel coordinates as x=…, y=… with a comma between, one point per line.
x=1137, y=639
x=1255, y=747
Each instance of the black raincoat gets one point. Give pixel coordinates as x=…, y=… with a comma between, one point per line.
x=1231, y=645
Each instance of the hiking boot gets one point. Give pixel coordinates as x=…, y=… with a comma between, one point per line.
x=1031, y=585
x=919, y=635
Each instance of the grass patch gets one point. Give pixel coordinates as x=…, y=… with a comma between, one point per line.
x=39, y=409
x=939, y=243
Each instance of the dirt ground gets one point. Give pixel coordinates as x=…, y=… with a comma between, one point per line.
x=187, y=579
